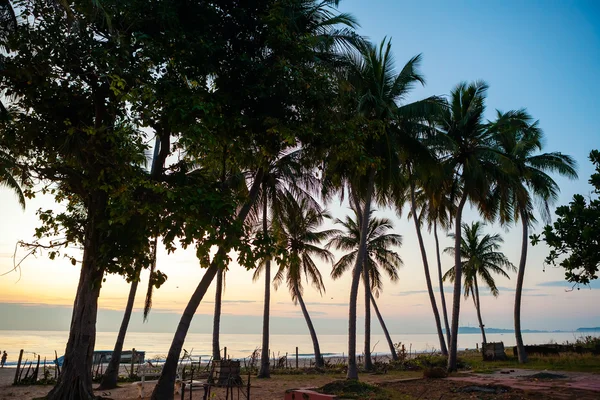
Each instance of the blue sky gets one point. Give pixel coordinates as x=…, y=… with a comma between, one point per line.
x=542, y=55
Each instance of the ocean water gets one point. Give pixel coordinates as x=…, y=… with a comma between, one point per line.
x=156, y=345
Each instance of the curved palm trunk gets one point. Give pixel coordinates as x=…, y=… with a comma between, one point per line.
x=385, y=330
x=216, y=348
x=165, y=387
x=264, y=355
x=111, y=376
x=75, y=381
x=319, y=362
x=452, y=357
x=362, y=251
x=440, y=276
x=519, y=291
x=478, y=308
x=368, y=361
x=436, y=313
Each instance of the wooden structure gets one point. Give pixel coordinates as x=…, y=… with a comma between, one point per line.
x=226, y=373
x=493, y=351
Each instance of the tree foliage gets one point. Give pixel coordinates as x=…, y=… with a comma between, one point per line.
x=574, y=238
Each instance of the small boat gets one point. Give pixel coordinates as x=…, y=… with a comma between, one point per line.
x=104, y=357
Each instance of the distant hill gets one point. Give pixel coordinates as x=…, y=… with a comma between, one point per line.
x=472, y=330
x=596, y=329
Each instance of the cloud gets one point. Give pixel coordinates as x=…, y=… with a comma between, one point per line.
x=512, y=289
x=417, y=305
x=233, y=301
x=447, y=290
x=311, y=312
x=569, y=285
x=317, y=303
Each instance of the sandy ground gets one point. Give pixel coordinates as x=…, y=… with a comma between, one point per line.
x=520, y=384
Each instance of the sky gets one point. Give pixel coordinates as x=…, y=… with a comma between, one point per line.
x=542, y=55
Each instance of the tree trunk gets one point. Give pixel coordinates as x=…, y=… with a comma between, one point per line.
x=111, y=376
x=264, y=355
x=440, y=275
x=436, y=313
x=478, y=308
x=368, y=361
x=75, y=381
x=362, y=250
x=216, y=348
x=319, y=362
x=165, y=387
x=452, y=358
x=385, y=330
x=519, y=290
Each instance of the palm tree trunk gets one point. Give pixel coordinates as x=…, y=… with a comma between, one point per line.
x=165, y=386
x=436, y=313
x=452, y=358
x=385, y=330
x=111, y=376
x=216, y=347
x=440, y=275
x=519, y=290
x=264, y=355
x=319, y=362
x=478, y=308
x=362, y=251
x=368, y=362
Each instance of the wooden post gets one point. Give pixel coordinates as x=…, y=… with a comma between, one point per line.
x=191, y=377
x=18, y=367
x=248, y=388
x=44, y=367
x=37, y=369
x=296, y=357
x=132, y=358
x=225, y=353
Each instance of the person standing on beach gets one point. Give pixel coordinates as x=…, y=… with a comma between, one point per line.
x=4, y=356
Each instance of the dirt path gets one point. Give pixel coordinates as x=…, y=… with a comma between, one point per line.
x=514, y=385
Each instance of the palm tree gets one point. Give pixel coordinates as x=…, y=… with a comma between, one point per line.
x=480, y=258
x=379, y=256
x=519, y=137
x=9, y=178
x=111, y=375
x=471, y=157
x=295, y=228
x=376, y=87
x=436, y=209
x=287, y=173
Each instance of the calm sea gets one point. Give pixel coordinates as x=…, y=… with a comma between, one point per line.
x=156, y=345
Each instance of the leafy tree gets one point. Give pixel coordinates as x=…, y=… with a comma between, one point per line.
x=480, y=258
x=71, y=127
x=519, y=138
x=379, y=256
x=268, y=92
x=295, y=229
x=573, y=238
